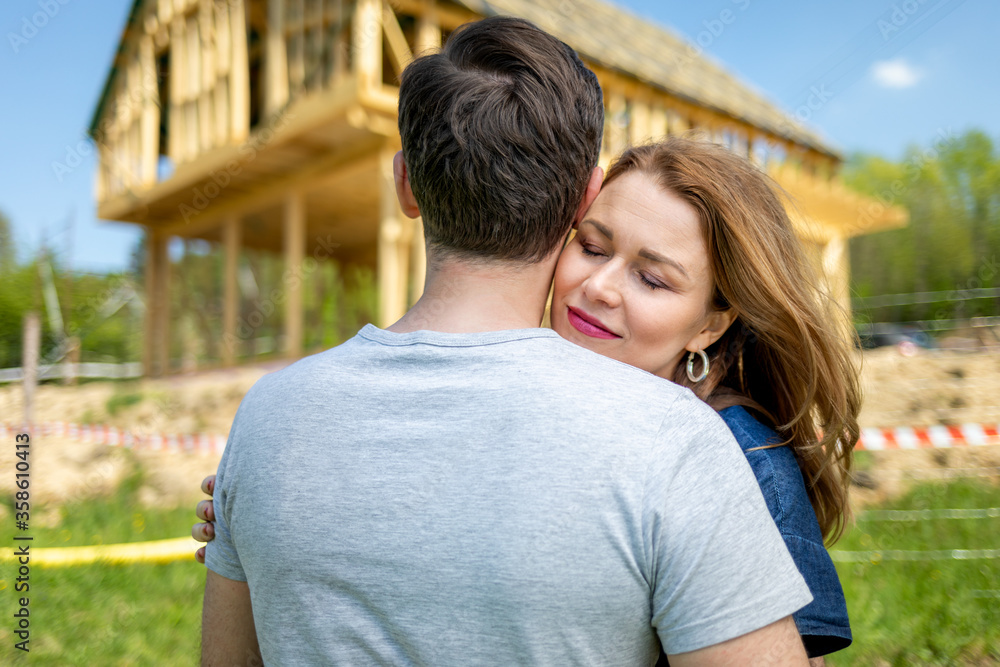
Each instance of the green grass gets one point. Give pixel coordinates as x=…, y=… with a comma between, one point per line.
x=101, y=614
x=925, y=612
x=109, y=615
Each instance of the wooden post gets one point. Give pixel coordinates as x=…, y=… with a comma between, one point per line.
x=617, y=135
x=275, y=59
x=658, y=122
x=639, y=124
x=837, y=271
x=150, y=113
x=239, y=74
x=296, y=46
x=220, y=80
x=175, y=138
x=366, y=43
x=678, y=123
x=192, y=78
x=295, y=248
x=336, y=49
x=149, y=326
x=314, y=45
x=71, y=360
x=207, y=43
x=157, y=351
x=393, y=247
x=231, y=232
x=31, y=347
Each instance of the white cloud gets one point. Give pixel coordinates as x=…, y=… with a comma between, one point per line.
x=895, y=73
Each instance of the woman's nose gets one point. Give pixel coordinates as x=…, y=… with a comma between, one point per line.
x=603, y=285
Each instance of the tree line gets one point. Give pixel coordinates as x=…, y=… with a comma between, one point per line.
x=951, y=245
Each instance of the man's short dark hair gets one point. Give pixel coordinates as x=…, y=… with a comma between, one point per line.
x=500, y=131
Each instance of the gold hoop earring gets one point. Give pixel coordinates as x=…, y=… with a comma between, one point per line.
x=704, y=366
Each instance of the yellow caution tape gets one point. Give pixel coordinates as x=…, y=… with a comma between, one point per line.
x=159, y=551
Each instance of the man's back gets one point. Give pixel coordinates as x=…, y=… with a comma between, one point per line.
x=493, y=498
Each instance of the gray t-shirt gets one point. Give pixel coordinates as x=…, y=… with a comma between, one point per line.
x=497, y=498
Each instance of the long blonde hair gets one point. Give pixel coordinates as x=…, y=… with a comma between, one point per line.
x=788, y=353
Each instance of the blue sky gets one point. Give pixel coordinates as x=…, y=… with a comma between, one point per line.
x=895, y=73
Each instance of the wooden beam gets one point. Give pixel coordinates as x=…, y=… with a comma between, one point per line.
x=275, y=59
x=447, y=17
x=231, y=233
x=399, y=50
x=239, y=74
x=336, y=162
x=294, y=224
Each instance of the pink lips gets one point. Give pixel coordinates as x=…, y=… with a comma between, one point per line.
x=588, y=325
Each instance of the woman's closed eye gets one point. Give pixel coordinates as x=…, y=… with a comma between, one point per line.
x=651, y=284
x=591, y=251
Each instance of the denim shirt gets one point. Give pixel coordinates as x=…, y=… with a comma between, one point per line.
x=822, y=623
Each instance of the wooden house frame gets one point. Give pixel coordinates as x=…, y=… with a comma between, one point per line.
x=286, y=109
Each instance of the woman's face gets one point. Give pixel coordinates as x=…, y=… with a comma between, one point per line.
x=635, y=283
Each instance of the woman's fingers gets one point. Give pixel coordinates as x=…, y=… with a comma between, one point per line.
x=208, y=485
x=205, y=510
x=203, y=532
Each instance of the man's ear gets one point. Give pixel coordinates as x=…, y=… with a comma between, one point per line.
x=407, y=202
x=590, y=194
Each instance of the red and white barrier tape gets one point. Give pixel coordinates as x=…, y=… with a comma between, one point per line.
x=928, y=437
x=109, y=435
x=872, y=439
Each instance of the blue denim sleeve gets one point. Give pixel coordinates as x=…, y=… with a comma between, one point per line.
x=823, y=623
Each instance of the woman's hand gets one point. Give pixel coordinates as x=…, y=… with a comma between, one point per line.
x=204, y=532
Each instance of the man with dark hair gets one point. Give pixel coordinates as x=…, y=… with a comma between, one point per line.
x=465, y=487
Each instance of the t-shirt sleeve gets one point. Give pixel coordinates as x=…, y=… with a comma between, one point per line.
x=718, y=566
x=220, y=554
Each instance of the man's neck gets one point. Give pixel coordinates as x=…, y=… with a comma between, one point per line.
x=462, y=298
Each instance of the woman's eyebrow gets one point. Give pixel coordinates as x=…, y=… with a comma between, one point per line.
x=645, y=253
x=601, y=228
